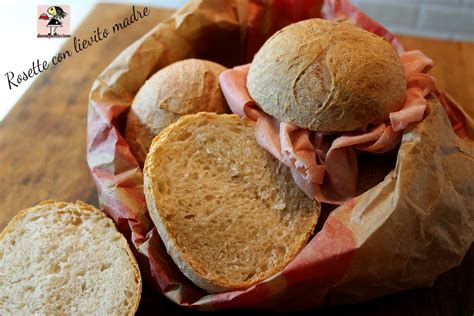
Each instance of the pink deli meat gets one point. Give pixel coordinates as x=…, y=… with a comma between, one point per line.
x=325, y=166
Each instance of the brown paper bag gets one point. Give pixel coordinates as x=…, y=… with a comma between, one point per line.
x=403, y=232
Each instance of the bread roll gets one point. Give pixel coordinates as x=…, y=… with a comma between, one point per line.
x=184, y=87
x=66, y=259
x=327, y=76
x=227, y=211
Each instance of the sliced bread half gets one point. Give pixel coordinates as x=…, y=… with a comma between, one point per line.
x=66, y=259
x=227, y=211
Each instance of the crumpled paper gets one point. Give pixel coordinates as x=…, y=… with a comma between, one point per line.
x=403, y=230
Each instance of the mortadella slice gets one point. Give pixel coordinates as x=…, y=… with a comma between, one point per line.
x=233, y=85
x=414, y=62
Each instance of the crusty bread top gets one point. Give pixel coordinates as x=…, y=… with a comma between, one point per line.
x=327, y=76
x=228, y=212
x=184, y=87
x=66, y=259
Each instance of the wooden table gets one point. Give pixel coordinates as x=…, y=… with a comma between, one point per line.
x=43, y=151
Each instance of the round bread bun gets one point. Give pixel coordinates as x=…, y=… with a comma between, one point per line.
x=228, y=212
x=184, y=87
x=327, y=76
x=66, y=259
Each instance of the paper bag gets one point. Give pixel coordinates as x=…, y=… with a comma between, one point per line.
x=401, y=233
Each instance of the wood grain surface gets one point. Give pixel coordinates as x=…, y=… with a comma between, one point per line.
x=43, y=152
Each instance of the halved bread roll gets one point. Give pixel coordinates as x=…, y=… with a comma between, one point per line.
x=227, y=211
x=66, y=259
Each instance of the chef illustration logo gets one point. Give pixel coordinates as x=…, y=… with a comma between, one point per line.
x=54, y=21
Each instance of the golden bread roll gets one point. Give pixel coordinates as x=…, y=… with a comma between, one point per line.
x=327, y=76
x=187, y=86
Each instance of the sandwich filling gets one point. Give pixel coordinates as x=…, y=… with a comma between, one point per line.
x=325, y=165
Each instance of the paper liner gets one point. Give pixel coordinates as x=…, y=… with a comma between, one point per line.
x=402, y=233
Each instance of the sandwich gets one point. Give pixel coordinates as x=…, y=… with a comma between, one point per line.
x=184, y=87
x=321, y=92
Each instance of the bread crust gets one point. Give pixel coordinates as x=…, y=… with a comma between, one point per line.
x=185, y=262
x=327, y=76
x=84, y=208
x=184, y=87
